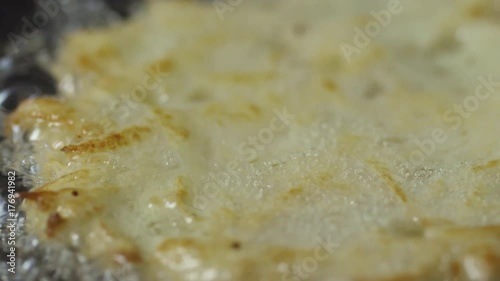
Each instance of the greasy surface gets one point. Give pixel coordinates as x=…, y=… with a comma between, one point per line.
x=147, y=157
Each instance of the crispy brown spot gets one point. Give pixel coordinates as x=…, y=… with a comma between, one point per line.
x=129, y=256
x=181, y=191
x=455, y=269
x=86, y=62
x=330, y=86
x=477, y=11
x=293, y=193
x=494, y=260
x=181, y=197
x=43, y=199
x=236, y=245
x=167, y=121
x=386, y=175
x=110, y=142
x=53, y=223
x=255, y=109
x=162, y=66
x=74, y=193
x=286, y=255
x=489, y=165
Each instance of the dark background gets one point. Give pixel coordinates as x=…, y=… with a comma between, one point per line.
x=12, y=11
x=20, y=75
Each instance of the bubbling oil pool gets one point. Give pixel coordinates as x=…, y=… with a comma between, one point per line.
x=37, y=260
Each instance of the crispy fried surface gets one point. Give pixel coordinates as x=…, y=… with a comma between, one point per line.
x=171, y=147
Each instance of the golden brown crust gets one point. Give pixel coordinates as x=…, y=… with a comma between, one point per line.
x=386, y=175
x=167, y=121
x=54, y=222
x=110, y=142
x=45, y=200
